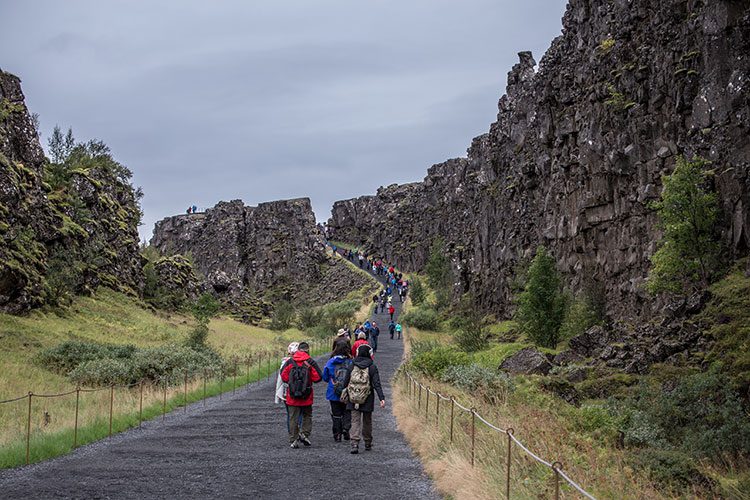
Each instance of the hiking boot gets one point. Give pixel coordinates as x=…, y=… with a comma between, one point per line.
x=368, y=446
x=337, y=438
x=346, y=436
x=295, y=444
x=304, y=440
x=355, y=450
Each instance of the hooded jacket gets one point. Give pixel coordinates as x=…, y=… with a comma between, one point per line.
x=329, y=374
x=299, y=358
x=367, y=363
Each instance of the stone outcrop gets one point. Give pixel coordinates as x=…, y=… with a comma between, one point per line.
x=527, y=361
x=577, y=155
x=274, y=250
x=62, y=233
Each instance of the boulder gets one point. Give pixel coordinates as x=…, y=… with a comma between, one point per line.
x=527, y=361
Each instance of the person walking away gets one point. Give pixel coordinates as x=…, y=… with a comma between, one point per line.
x=375, y=301
x=361, y=339
x=281, y=386
x=362, y=383
x=391, y=328
x=391, y=310
x=300, y=373
x=398, y=330
x=335, y=373
x=374, y=334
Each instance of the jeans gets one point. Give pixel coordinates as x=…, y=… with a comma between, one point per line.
x=297, y=413
x=361, y=427
x=341, y=417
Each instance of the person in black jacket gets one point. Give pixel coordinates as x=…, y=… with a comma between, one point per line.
x=362, y=413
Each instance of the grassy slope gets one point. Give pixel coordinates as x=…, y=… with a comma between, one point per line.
x=108, y=317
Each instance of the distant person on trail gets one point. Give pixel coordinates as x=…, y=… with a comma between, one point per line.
x=391, y=310
x=362, y=382
x=361, y=339
x=375, y=300
x=374, y=334
x=335, y=373
x=398, y=330
x=391, y=328
x=195, y=209
x=188, y=210
x=300, y=373
x=281, y=387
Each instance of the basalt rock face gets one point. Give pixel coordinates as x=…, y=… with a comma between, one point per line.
x=275, y=248
x=577, y=154
x=63, y=236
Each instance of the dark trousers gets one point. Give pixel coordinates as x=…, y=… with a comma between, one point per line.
x=341, y=417
x=288, y=418
x=294, y=417
x=374, y=343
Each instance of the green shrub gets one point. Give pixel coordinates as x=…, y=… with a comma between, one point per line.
x=702, y=416
x=423, y=318
x=493, y=385
x=417, y=291
x=579, y=317
x=673, y=469
x=433, y=362
x=65, y=357
x=468, y=326
x=422, y=346
x=283, y=315
x=309, y=317
x=339, y=314
x=104, y=371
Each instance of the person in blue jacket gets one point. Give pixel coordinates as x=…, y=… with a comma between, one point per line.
x=335, y=373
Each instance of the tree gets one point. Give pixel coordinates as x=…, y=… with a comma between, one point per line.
x=689, y=253
x=468, y=326
x=204, y=309
x=439, y=274
x=417, y=291
x=60, y=146
x=541, y=305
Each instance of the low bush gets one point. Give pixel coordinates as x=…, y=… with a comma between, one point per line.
x=492, y=385
x=702, y=417
x=671, y=469
x=423, y=318
x=422, y=346
x=339, y=314
x=91, y=364
x=283, y=315
x=309, y=317
x=417, y=291
x=435, y=361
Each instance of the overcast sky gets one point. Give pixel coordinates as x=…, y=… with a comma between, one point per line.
x=263, y=100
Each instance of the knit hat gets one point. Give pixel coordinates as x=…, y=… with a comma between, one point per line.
x=292, y=348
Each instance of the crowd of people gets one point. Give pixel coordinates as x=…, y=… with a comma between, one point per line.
x=352, y=377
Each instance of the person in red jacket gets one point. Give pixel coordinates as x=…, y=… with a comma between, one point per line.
x=360, y=340
x=391, y=310
x=300, y=373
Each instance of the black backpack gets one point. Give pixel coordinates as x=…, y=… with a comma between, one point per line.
x=299, y=381
x=339, y=378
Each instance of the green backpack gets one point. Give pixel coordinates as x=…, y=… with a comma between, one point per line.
x=359, y=386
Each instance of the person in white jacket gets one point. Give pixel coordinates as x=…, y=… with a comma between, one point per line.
x=281, y=386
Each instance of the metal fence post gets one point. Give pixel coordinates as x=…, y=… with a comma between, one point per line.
x=164, y=402
x=221, y=383
x=427, y=404
x=555, y=467
x=453, y=407
x=28, y=430
x=75, y=424
x=268, y=368
x=509, y=432
x=111, y=406
x=437, y=410
x=185, y=397
x=247, y=363
x=473, y=432
x=140, y=404
x=260, y=364
x=234, y=381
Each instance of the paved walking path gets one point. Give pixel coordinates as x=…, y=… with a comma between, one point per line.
x=236, y=447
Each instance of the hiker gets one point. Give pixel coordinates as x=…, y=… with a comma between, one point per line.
x=281, y=387
x=398, y=330
x=374, y=334
x=375, y=301
x=195, y=209
x=342, y=337
x=391, y=328
x=300, y=373
x=188, y=210
x=402, y=293
x=335, y=373
x=361, y=339
x=391, y=310
x=362, y=382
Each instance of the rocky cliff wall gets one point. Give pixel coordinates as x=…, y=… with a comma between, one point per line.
x=577, y=153
x=63, y=235
x=273, y=249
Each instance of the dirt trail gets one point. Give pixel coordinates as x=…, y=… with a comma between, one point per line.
x=236, y=447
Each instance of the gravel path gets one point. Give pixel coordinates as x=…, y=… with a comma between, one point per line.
x=236, y=447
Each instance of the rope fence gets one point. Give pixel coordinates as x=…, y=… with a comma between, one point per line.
x=415, y=389
x=177, y=390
